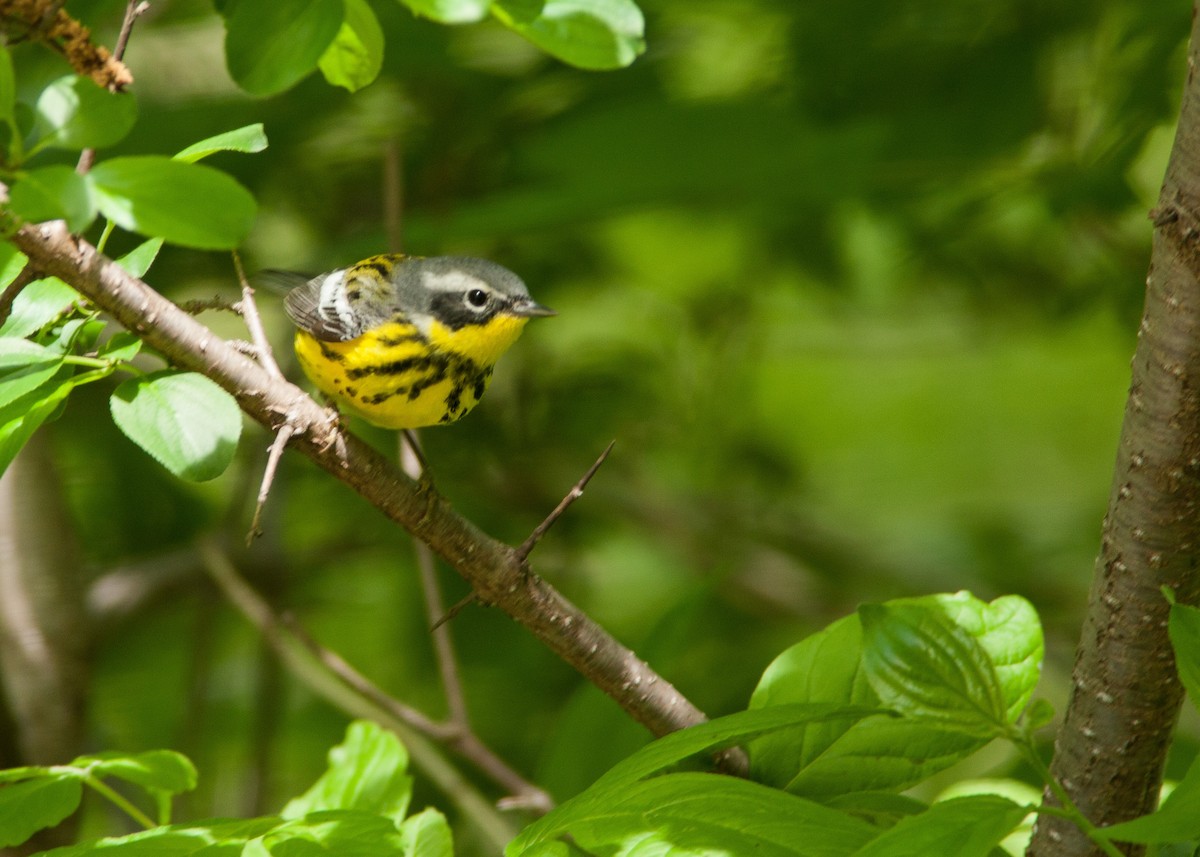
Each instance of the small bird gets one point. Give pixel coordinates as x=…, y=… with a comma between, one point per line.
x=405, y=341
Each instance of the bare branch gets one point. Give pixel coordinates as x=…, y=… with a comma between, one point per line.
x=281, y=438
x=493, y=569
x=574, y=494
x=331, y=687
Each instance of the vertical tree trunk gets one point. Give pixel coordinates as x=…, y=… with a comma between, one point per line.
x=1125, y=695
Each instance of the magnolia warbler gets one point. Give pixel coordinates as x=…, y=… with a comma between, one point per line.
x=405, y=341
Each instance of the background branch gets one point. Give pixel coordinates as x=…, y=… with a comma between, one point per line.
x=493, y=569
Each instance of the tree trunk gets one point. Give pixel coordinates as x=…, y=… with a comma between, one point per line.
x=1125, y=694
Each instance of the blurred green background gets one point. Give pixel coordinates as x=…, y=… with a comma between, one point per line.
x=853, y=286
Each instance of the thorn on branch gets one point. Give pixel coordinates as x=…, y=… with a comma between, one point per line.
x=574, y=494
x=454, y=610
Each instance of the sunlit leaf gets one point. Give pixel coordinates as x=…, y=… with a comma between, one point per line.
x=965, y=827
x=74, y=113
x=426, y=834
x=30, y=806
x=185, y=421
x=356, y=55
x=54, y=193
x=188, y=204
x=24, y=366
x=450, y=11
x=367, y=771
x=138, y=260
x=164, y=770
x=592, y=34
x=248, y=139
x=37, y=305
x=924, y=665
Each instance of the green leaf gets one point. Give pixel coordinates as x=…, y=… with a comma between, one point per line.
x=162, y=770
x=922, y=664
x=346, y=833
x=356, y=55
x=721, y=733
x=12, y=262
x=54, y=193
x=1183, y=628
x=1010, y=632
x=367, y=771
x=28, y=772
x=75, y=113
x=698, y=814
x=38, y=304
x=20, y=418
x=964, y=827
x=30, y=806
x=185, y=421
x=450, y=11
x=138, y=260
x=1178, y=818
x=591, y=34
x=25, y=366
x=248, y=139
x=122, y=346
x=271, y=46
x=426, y=834
x=178, y=840
x=830, y=758
x=188, y=204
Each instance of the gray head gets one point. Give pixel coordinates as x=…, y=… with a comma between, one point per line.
x=460, y=290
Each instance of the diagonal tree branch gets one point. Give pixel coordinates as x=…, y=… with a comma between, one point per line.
x=494, y=569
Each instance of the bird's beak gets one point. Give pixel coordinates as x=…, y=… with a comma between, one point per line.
x=529, y=308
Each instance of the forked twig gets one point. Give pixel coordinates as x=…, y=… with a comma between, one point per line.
x=574, y=494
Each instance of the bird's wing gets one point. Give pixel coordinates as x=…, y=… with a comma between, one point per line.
x=319, y=306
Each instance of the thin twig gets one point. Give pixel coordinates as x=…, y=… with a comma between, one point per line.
x=195, y=306
x=412, y=462
x=288, y=637
x=134, y=9
x=458, y=607
x=321, y=681
x=249, y=310
x=281, y=438
x=574, y=494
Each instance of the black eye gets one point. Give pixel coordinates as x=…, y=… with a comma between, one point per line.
x=477, y=298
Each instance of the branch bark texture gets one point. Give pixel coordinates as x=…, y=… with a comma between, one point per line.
x=1125, y=694
x=495, y=570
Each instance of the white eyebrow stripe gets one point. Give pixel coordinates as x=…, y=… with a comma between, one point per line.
x=454, y=281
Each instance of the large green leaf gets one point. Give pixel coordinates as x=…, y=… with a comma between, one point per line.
x=269, y=46
x=592, y=34
x=30, y=806
x=54, y=193
x=20, y=418
x=188, y=204
x=964, y=827
x=185, y=421
x=25, y=366
x=698, y=814
x=825, y=759
x=921, y=663
x=367, y=771
x=75, y=113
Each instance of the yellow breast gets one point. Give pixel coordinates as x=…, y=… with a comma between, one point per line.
x=396, y=377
